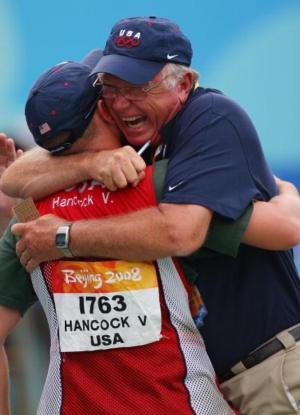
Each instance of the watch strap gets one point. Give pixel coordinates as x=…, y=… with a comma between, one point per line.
x=62, y=239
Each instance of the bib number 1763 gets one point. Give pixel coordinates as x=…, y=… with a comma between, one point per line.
x=89, y=304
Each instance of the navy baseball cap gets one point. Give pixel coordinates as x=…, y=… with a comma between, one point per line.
x=139, y=47
x=61, y=103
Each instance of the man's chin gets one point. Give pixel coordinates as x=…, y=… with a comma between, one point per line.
x=137, y=141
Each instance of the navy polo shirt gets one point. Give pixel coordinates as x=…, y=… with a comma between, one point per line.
x=216, y=160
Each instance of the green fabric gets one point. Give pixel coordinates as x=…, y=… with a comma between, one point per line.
x=223, y=238
x=159, y=173
x=225, y=235
x=16, y=290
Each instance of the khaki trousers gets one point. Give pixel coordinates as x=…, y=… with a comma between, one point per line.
x=270, y=388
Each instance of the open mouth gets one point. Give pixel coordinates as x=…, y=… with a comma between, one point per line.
x=133, y=122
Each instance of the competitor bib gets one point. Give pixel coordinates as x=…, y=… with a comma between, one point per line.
x=106, y=304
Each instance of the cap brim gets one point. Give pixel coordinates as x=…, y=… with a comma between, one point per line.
x=134, y=71
x=92, y=58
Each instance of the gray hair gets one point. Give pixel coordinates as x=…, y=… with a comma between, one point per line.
x=175, y=73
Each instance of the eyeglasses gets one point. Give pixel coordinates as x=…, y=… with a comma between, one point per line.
x=132, y=93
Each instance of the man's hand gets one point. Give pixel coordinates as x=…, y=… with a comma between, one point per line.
x=8, y=155
x=116, y=169
x=37, y=241
x=285, y=187
x=282, y=210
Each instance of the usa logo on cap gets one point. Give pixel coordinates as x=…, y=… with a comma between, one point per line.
x=127, y=39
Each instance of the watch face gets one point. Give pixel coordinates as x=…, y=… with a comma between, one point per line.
x=60, y=240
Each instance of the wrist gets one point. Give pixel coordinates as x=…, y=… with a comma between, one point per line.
x=63, y=239
x=79, y=244
x=72, y=239
x=91, y=163
x=83, y=165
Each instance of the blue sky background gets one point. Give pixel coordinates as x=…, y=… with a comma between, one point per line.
x=247, y=49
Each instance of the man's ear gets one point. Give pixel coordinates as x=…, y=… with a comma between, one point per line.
x=104, y=113
x=185, y=86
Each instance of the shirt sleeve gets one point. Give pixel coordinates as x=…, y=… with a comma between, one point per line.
x=216, y=160
x=16, y=290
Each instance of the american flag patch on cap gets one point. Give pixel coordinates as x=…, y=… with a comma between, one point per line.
x=44, y=128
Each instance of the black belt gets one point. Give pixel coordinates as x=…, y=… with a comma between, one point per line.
x=259, y=355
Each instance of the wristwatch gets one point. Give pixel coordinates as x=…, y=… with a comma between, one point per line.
x=62, y=239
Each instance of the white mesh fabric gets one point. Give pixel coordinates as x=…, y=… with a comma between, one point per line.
x=50, y=402
x=205, y=396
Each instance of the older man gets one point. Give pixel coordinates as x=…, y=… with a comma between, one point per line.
x=216, y=165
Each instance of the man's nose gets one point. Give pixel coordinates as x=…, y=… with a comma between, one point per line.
x=120, y=102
